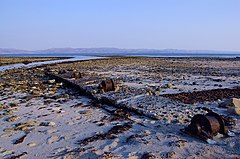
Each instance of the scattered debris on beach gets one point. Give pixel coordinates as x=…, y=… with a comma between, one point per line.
x=121, y=107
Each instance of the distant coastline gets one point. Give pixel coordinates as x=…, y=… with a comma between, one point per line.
x=113, y=51
x=223, y=55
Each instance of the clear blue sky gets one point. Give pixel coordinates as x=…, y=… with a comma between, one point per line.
x=158, y=24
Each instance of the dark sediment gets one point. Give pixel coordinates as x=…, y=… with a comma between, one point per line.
x=203, y=96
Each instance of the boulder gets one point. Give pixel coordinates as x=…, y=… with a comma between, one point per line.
x=232, y=104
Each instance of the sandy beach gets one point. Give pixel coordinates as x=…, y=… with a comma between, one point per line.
x=44, y=117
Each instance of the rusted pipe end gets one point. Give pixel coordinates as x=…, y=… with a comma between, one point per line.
x=107, y=85
x=77, y=75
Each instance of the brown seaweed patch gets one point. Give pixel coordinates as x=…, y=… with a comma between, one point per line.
x=203, y=96
x=115, y=130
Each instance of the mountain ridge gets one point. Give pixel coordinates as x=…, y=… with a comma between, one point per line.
x=108, y=50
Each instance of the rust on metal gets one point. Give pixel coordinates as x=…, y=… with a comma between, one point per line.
x=77, y=75
x=107, y=85
x=62, y=71
x=207, y=126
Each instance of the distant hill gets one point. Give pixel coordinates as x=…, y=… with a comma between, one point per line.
x=109, y=51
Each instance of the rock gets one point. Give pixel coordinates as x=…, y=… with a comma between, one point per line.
x=232, y=104
x=51, y=131
x=147, y=132
x=7, y=152
x=13, y=104
x=232, y=144
x=5, y=135
x=148, y=155
x=36, y=93
x=153, y=122
x=51, y=81
x=94, y=92
x=48, y=123
x=211, y=142
x=169, y=85
x=2, y=107
x=8, y=129
x=61, y=149
x=32, y=144
x=149, y=93
x=52, y=139
x=156, y=93
x=85, y=112
x=13, y=119
x=24, y=126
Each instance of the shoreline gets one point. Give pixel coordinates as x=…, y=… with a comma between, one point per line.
x=26, y=60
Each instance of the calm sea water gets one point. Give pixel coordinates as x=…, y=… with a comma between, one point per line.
x=126, y=54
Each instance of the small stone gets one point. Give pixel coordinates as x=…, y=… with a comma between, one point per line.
x=13, y=119
x=48, y=123
x=147, y=132
x=153, y=122
x=148, y=155
x=2, y=107
x=51, y=81
x=24, y=126
x=13, y=104
x=149, y=93
x=5, y=135
x=1, y=149
x=233, y=105
x=156, y=93
x=7, y=152
x=94, y=91
x=52, y=139
x=232, y=144
x=61, y=149
x=32, y=144
x=219, y=135
x=211, y=142
x=51, y=131
x=169, y=85
x=36, y=93
x=8, y=129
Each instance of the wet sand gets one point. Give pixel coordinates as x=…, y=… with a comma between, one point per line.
x=42, y=117
x=25, y=60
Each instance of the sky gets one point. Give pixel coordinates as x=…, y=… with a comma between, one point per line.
x=136, y=24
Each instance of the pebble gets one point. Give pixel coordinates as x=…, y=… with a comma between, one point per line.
x=153, y=122
x=32, y=144
x=7, y=152
x=52, y=139
x=5, y=135
x=13, y=104
x=51, y=81
x=169, y=85
x=61, y=149
x=51, y=131
x=147, y=132
x=48, y=123
x=232, y=144
x=13, y=119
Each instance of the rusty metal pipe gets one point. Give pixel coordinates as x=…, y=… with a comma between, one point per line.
x=206, y=126
x=107, y=85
